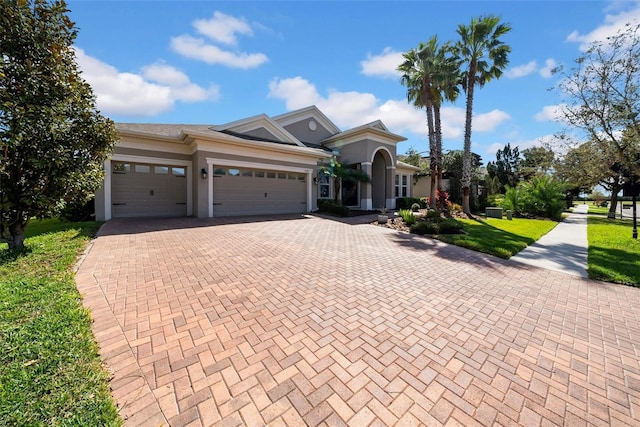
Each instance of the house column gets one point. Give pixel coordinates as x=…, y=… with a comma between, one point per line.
x=389, y=184
x=310, y=190
x=366, y=194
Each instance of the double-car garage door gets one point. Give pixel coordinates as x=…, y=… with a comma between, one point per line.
x=142, y=190
x=238, y=191
x=146, y=190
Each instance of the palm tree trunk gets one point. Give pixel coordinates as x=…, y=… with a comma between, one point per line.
x=432, y=154
x=438, y=157
x=466, y=156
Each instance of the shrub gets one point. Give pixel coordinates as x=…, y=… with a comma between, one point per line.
x=433, y=214
x=407, y=216
x=442, y=200
x=425, y=227
x=439, y=226
x=415, y=207
x=495, y=199
x=513, y=200
x=327, y=206
x=450, y=226
x=407, y=202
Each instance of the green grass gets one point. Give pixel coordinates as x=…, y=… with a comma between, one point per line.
x=50, y=370
x=613, y=255
x=499, y=237
x=598, y=210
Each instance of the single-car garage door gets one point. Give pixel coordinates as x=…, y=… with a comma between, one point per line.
x=239, y=191
x=140, y=190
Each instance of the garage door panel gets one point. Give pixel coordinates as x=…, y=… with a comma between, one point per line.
x=147, y=194
x=241, y=195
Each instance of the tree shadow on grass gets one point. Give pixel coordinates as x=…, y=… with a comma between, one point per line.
x=37, y=228
x=626, y=269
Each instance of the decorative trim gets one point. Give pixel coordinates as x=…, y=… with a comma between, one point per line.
x=388, y=152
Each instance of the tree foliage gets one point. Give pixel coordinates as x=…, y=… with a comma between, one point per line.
x=588, y=165
x=484, y=56
x=603, y=96
x=453, y=165
x=506, y=168
x=430, y=75
x=536, y=161
x=52, y=140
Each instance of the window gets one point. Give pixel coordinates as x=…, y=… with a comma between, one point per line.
x=293, y=176
x=178, y=171
x=142, y=168
x=162, y=170
x=259, y=174
x=247, y=173
x=121, y=167
x=325, y=186
x=282, y=175
x=397, y=186
x=234, y=172
x=301, y=177
x=271, y=174
x=402, y=186
x=219, y=171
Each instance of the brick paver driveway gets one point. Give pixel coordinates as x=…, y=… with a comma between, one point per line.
x=311, y=321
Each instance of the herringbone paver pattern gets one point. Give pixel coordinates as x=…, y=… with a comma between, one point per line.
x=316, y=322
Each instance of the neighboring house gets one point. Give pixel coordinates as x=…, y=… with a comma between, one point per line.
x=254, y=166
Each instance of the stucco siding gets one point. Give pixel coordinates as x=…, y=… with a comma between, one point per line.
x=302, y=131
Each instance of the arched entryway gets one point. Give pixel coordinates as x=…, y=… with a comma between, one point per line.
x=380, y=170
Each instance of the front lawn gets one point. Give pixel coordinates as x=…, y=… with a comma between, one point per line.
x=50, y=370
x=613, y=255
x=598, y=210
x=499, y=237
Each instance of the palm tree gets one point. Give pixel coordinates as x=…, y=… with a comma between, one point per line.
x=421, y=71
x=485, y=56
x=445, y=85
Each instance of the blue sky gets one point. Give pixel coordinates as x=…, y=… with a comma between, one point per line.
x=212, y=62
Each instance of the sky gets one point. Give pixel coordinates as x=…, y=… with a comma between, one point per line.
x=214, y=62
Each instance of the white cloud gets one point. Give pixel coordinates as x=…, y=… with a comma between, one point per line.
x=613, y=23
x=181, y=87
x=550, y=113
x=487, y=122
x=521, y=70
x=350, y=109
x=197, y=48
x=383, y=65
x=549, y=65
x=223, y=28
x=151, y=92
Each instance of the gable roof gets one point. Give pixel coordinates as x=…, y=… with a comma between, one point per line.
x=256, y=122
x=376, y=128
x=305, y=113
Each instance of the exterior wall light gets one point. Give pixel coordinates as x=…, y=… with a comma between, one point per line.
x=203, y=173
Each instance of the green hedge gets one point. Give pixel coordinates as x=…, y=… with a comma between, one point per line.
x=406, y=202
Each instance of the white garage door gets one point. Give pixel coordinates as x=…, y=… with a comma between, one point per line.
x=139, y=190
x=257, y=192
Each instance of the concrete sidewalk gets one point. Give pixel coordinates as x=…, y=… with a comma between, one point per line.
x=563, y=249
